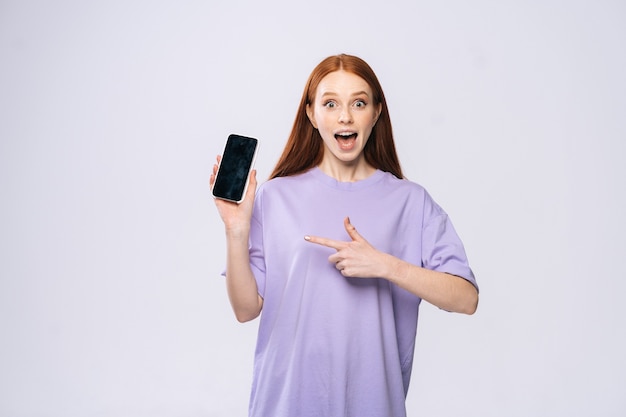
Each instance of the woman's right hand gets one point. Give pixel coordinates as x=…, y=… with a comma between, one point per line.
x=236, y=217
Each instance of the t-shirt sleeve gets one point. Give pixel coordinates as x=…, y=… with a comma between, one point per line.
x=257, y=255
x=442, y=249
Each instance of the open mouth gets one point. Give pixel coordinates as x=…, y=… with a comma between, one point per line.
x=346, y=140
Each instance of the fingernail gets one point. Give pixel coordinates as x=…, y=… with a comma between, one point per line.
x=307, y=238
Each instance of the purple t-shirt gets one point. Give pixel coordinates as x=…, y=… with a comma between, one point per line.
x=330, y=345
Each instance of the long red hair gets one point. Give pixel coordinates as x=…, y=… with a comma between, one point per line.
x=304, y=149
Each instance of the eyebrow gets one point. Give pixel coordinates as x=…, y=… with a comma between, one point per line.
x=358, y=93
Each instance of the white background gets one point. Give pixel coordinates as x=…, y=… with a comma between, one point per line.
x=511, y=113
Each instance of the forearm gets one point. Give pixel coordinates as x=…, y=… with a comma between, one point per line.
x=446, y=291
x=240, y=282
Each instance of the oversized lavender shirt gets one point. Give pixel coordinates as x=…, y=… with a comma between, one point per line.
x=330, y=345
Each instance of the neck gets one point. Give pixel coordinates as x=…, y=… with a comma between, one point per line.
x=347, y=172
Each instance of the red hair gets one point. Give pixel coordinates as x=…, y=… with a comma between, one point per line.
x=304, y=149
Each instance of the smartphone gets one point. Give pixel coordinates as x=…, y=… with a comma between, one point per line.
x=233, y=172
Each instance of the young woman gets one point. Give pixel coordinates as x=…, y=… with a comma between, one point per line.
x=339, y=304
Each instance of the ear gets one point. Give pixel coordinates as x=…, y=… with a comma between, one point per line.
x=311, y=115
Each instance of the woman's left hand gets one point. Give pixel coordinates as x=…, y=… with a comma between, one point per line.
x=356, y=258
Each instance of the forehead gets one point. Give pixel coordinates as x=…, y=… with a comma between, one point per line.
x=343, y=83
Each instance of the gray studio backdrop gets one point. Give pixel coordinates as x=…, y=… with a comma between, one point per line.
x=511, y=113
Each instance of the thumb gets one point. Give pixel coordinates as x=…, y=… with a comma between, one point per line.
x=252, y=184
x=354, y=235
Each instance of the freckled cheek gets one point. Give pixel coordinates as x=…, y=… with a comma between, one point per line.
x=325, y=123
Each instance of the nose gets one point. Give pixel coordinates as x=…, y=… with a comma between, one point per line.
x=345, y=116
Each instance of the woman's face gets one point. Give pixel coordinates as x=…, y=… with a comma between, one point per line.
x=344, y=113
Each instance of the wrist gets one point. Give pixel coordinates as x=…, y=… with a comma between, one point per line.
x=237, y=232
x=395, y=269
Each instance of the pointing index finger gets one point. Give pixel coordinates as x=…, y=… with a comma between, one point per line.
x=335, y=244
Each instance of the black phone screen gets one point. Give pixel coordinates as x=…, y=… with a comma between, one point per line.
x=232, y=176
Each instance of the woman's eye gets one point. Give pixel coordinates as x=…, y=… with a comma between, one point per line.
x=360, y=103
x=330, y=104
